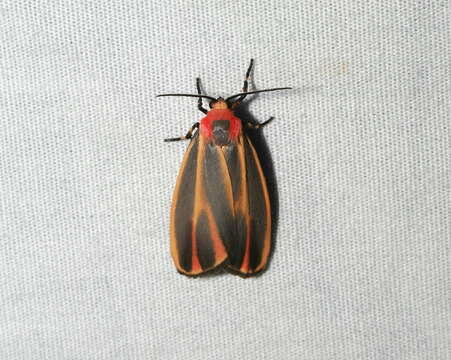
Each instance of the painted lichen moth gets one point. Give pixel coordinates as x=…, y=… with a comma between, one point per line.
x=220, y=214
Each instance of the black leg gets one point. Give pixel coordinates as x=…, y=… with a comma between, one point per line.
x=199, y=103
x=246, y=82
x=188, y=135
x=258, y=126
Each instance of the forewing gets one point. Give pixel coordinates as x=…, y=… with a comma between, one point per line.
x=202, y=214
x=249, y=251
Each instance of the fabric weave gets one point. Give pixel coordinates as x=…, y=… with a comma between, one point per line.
x=358, y=159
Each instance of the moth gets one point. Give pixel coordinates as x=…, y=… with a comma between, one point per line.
x=221, y=213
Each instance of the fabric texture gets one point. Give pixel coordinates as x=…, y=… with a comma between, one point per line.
x=358, y=159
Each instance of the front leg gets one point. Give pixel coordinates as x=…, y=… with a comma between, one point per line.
x=188, y=135
x=199, y=102
x=260, y=125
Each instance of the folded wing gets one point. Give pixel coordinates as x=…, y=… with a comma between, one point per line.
x=202, y=214
x=249, y=250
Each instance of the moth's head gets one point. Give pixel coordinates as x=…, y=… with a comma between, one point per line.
x=220, y=104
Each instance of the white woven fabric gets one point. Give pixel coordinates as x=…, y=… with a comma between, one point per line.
x=361, y=152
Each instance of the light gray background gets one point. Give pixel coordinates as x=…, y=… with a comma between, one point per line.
x=360, y=150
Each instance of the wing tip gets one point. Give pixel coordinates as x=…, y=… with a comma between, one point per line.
x=250, y=274
x=215, y=270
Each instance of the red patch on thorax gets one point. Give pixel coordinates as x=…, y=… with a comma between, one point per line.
x=220, y=114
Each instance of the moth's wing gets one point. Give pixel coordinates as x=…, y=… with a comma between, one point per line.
x=202, y=214
x=249, y=251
